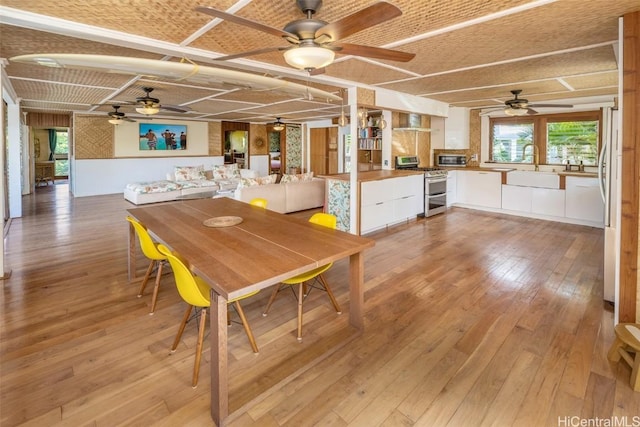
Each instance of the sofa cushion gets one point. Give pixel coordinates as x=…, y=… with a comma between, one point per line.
x=153, y=187
x=188, y=173
x=199, y=183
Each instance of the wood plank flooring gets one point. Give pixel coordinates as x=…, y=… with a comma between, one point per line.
x=472, y=319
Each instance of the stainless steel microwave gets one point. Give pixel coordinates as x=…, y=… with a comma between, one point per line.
x=452, y=160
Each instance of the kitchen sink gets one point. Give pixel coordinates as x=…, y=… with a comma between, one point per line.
x=534, y=179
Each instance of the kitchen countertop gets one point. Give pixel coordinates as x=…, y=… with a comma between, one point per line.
x=372, y=175
x=580, y=174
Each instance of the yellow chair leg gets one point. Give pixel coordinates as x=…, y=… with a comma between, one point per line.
x=185, y=319
x=330, y=293
x=196, y=365
x=300, y=300
x=272, y=298
x=146, y=278
x=246, y=326
x=156, y=288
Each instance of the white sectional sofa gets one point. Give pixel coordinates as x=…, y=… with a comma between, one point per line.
x=186, y=180
x=287, y=197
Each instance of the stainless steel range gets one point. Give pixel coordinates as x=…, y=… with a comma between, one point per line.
x=435, y=184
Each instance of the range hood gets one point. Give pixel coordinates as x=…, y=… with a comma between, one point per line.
x=412, y=122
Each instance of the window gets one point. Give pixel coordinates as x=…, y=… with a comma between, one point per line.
x=509, y=140
x=572, y=141
x=559, y=138
x=61, y=154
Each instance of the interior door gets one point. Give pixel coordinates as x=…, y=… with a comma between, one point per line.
x=318, y=151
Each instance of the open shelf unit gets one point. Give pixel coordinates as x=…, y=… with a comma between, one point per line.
x=369, y=148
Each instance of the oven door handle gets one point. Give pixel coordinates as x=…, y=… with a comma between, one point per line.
x=435, y=180
x=433, y=196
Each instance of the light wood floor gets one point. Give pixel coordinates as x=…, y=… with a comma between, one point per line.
x=472, y=319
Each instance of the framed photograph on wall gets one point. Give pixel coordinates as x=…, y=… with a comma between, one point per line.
x=158, y=136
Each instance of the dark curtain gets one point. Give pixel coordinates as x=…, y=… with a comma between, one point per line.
x=52, y=142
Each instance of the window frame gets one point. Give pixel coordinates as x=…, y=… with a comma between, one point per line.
x=539, y=122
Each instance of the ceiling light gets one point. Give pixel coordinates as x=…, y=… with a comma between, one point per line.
x=515, y=111
x=309, y=57
x=148, y=110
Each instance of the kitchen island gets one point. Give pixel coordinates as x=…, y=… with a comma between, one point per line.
x=384, y=198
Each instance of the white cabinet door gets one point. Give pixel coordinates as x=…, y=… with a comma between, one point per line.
x=452, y=184
x=404, y=208
x=547, y=201
x=516, y=198
x=376, y=216
x=583, y=200
x=456, y=128
x=373, y=192
x=479, y=188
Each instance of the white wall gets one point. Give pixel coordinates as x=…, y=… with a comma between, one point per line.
x=109, y=176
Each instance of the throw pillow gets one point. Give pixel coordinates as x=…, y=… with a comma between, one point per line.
x=300, y=177
x=260, y=180
x=226, y=171
x=188, y=173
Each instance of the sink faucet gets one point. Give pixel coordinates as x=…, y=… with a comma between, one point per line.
x=536, y=154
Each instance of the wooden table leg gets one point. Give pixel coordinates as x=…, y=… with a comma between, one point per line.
x=356, y=290
x=219, y=372
x=131, y=256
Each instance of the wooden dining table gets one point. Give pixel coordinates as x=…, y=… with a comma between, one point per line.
x=265, y=248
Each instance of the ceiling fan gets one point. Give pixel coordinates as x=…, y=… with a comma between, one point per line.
x=313, y=42
x=148, y=105
x=116, y=117
x=278, y=125
x=520, y=106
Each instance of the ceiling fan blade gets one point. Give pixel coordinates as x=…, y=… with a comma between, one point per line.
x=246, y=22
x=375, y=14
x=374, y=52
x=253, y=52
x=127, y=119
x=176, y=108
x=531, y=111
x=317, y=71
x=551, y=105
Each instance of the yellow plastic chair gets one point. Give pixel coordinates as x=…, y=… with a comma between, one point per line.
x=195, y=292
x=259, y=202
x=150, y=250
x=326, y=220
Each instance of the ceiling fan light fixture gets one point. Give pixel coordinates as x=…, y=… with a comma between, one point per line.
x=515, y=111
x=148, y=110
x=309, y=57
x=278, y=127
x=115, y=121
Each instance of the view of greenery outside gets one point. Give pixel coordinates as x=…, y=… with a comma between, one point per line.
x=508, y=140
x=62, y=153
x=575, y=141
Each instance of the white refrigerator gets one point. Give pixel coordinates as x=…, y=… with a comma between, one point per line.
x=609, y=175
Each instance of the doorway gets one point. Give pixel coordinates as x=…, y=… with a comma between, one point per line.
x=50, y=155
x=277, y=150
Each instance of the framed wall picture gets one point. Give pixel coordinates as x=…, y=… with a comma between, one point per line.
x=158, y=136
